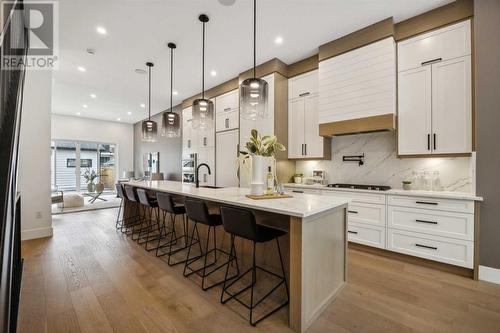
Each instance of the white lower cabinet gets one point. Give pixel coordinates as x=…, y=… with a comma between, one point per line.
x=438, y=229
x=366, y=234
x=207, y=156
x=443, y=249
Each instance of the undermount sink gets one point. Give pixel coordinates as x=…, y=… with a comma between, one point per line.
x=212, y=187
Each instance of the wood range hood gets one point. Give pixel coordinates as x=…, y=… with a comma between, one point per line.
x=380, y=123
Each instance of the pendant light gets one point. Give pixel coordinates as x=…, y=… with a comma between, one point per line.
x=203, y=109
x=149, y=127
x=254, y=91
x=171, y=121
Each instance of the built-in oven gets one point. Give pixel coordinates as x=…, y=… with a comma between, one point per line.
x=189, y=164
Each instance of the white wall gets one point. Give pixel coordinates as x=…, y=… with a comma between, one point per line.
x=84, y=129
x=382, y=167
x=34, y=156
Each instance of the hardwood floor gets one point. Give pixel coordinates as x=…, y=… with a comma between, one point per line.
x=90, y=278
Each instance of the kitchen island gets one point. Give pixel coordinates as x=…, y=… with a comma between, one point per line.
x=317, y=237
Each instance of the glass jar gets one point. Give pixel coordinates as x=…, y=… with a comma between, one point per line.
x=426, y=181
x=436, y=182
x=415, y=181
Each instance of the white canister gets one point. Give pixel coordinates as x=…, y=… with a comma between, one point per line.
x=257, y=185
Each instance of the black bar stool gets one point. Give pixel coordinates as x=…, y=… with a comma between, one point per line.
x=197, y=211
x=169, y=207
x=151, y=219
x=121, y=195
x=135, y=218
x=241, y=223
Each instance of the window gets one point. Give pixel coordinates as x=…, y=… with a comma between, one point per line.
x=84, y=163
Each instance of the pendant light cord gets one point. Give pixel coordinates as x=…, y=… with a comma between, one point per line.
x=254, y=34
x=149, y=98
x=171, y=76
x=203, y=65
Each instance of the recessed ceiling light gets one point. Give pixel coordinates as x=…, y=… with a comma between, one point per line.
x=129, y=113
x=140, y=71
x=143, y=105
x=278, y=40
x=93, y=95
x=82, y=69
x=175, y=92
x=85, y=106
x=78, y=113
x=213, y=73
x=101, y=30
x=118, y=119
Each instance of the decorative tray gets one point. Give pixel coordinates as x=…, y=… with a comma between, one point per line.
x=268, y=196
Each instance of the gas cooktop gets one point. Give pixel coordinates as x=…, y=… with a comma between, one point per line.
x=361, y=187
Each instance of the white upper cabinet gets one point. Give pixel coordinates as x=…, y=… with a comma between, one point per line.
x=451, y=106
x=304, y=140
x=303, y=85
x=443, y=44
x=296, y=133
x=227, y=111
x=415, y=111
x=359, y=83
x=189, y=136
x=435, y=92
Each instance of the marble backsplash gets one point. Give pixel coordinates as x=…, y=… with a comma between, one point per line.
x=382, y=167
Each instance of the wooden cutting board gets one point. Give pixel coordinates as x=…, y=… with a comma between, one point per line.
x=268, y=196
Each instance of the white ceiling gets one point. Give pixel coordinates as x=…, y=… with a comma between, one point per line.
x=138, y=31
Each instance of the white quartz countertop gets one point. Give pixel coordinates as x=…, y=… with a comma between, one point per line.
x=417, y=193
x=301, y=205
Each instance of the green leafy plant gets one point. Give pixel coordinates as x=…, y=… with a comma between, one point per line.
x=266, y=145
x=90, y=175
x=298, y=175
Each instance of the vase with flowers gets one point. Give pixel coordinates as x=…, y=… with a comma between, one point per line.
x=260, y=150
x=90, y=176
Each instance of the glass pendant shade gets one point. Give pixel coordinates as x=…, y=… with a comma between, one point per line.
x=171, y=125
x=253, y=99
x=149, y=131
x=203, y=114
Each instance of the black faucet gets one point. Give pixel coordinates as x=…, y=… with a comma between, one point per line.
x=197, y=181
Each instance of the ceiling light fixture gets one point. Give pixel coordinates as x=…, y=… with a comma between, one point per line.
x=278, y=40
x=129, y=113
x=171, y=121
x=78, y=113
x=101, y=30
x=175, y=93
x=118, y=119
x=82, y=69
x=140, y=71
x=203, y=109
x=143, y=105
x=85, y=106
x=149, y=127
x=254, y=91
x=93, y=95
x=213, y=73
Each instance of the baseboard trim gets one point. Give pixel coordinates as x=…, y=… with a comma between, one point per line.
x=489, y=274
x=36, y=233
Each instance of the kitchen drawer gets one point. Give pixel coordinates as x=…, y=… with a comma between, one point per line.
x=303, y=190
x=447, y=250
x=225, y=121
x=375, y=198
x=451, y=205
x=367, y=213
x=447, y=224
x=446, y=43
x=366, y=234
x=227, y=102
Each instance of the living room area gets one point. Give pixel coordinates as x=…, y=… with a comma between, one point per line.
x=87, y=158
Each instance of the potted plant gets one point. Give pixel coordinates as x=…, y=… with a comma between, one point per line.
x=258, y=150
x=89, y=176
x=297, y=178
